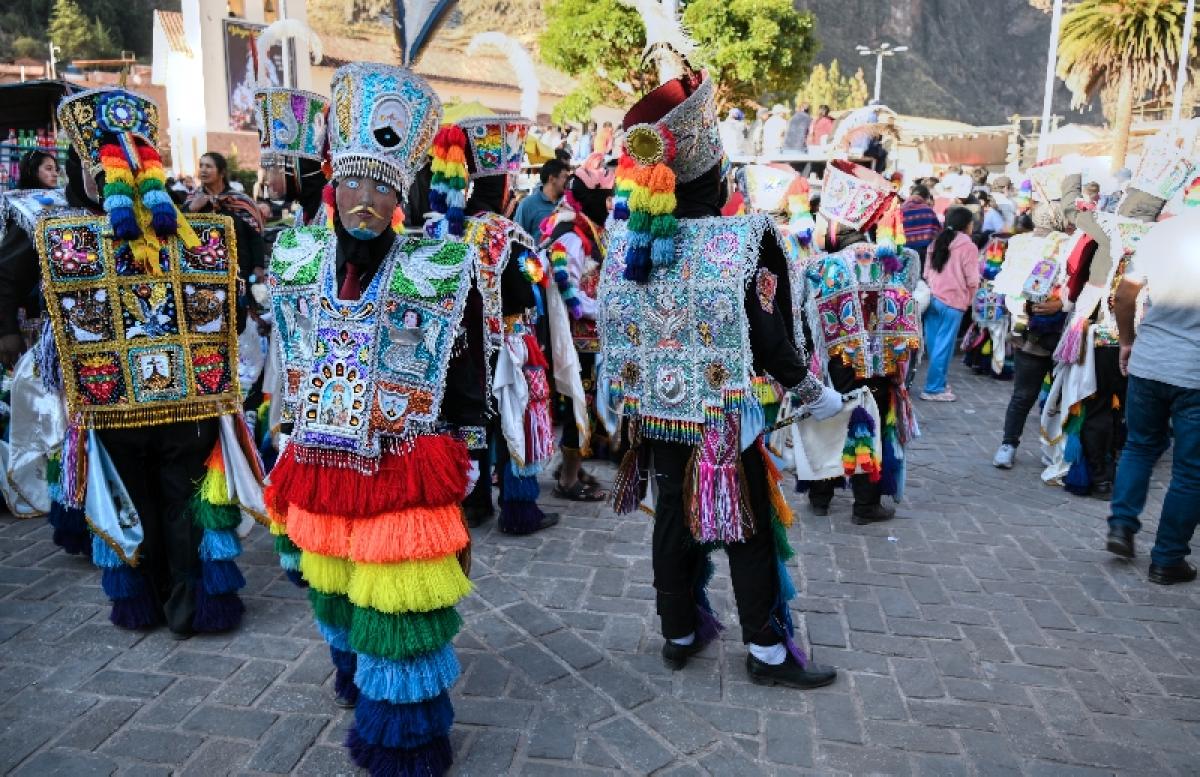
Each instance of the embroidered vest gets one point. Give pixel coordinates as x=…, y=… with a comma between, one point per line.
x=492, y=236
x=865, y=313
x=139, y=349
x=362, y=375
x=25, y=206
x=677, y=348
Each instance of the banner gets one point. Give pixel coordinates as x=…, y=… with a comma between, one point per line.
x=239, y=71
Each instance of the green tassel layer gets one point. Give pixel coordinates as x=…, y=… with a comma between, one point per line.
x=331, y=609
x=215, y=517
x=284, y=545
x=399, y=636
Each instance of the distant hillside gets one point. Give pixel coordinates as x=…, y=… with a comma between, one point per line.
x=978, y=61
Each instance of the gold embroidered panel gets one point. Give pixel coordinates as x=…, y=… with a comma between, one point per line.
x=137, y=349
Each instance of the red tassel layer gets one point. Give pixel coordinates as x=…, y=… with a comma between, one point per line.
x=432, y=473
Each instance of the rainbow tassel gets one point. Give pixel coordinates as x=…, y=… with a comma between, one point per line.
x=559, y=261
x=447, y=189
x=859, y=454
x=151, y=183
x=993, y=258
x=119, y=192
x=648, y=194
x=889, y=239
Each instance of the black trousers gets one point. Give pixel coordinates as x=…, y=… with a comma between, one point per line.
x=679, y=562
x=570, y=432
x=161, y=467
x=866, y=493
x=1029, y=372
x=1103, y=433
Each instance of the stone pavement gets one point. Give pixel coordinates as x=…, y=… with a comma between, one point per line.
x=982, y=632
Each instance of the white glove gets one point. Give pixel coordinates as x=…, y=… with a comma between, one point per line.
x=829, y=404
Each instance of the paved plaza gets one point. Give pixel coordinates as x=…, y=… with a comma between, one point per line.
x=982, y=632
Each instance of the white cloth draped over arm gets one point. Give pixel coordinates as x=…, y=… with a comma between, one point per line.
x=511, y=391
x=568, y=379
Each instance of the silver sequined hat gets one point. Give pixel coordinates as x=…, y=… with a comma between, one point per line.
x=496, y=144
x=382, y=120
x=677, y=124
x=291, y=125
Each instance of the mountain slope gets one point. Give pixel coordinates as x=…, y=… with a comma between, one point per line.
x=978, y=61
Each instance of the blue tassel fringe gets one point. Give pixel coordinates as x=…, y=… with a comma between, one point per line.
x=429, y=760
x=135, y=612
x=103, y=555
x=517, y=488
x=405, y=682
x=220, y=545
x=221, y=577
x=220, y=612
x=408, y=726
x=122, y=582
x=337, y=639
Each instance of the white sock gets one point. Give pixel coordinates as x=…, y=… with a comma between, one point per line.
x=773, y=655
x=689, y=639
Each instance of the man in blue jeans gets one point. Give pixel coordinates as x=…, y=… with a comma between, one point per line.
x=1163, y=399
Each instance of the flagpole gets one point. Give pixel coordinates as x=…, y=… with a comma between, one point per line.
x=1181, y=74
x=1043, y=146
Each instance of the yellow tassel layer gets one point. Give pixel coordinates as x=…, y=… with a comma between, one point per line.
x=327, y=574
x=410, y=586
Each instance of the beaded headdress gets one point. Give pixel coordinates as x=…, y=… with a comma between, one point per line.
x=854, y=196
x=291, y=125
x=1164, y=168
x=291, y=122
x=671, y=135
x=382, y=121
x=114, y=131
x=472, y=148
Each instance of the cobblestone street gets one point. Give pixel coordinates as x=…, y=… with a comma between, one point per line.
x=982, y=632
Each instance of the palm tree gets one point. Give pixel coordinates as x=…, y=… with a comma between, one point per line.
x=1121, y=49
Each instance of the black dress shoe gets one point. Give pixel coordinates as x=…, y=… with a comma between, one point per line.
x=676, y=656
x=819, y=509
x=1182, y=572
x=872, y=514
x=1120, y=542
x=548, y=520
x=789, y=673
x=1102, y=491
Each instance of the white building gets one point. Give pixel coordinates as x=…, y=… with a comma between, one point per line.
x=191, y=62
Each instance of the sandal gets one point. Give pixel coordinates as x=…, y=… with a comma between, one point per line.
x=579, y=492
x=585, y=477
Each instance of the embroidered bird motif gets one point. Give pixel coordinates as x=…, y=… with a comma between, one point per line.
x=422, y=272
x=294, y=259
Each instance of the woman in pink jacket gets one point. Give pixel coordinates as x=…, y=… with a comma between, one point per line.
x=952, y=272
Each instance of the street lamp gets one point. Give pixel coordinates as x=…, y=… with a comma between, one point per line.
x=884, y=50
